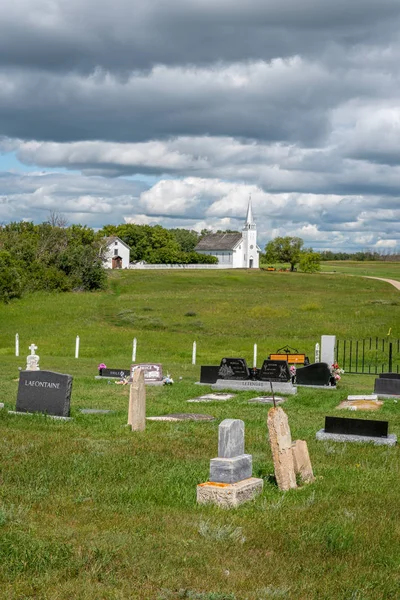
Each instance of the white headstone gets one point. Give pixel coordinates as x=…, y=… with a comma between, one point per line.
x=32, y=361
x=328, y=345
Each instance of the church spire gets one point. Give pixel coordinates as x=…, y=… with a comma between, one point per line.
x=249, y=224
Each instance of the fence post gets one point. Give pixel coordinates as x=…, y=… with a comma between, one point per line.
x=134, y=346
x=77, y=347
x=390, y=357
x=16, y=344
x=194, y=354
x=255, y=356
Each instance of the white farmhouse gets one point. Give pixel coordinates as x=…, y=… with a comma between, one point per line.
x=234, y=250
x=117, y=253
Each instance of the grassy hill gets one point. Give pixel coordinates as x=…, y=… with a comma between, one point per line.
x=91, y=510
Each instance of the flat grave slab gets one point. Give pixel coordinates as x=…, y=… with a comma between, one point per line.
x=95, y=411
x=266, y=400
x=182, y=417
x=213, y=398
x=360, y=404
x=363, y=397
x=39, y=414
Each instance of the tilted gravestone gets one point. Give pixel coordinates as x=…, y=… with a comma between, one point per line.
x=44, y=391
x=315, y=374
x=280, y=440
x=274, y=370
x=233, y=368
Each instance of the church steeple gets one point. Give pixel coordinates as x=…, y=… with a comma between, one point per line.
x=249, y=224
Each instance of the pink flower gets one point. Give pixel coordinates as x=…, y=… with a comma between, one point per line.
x=102, y=366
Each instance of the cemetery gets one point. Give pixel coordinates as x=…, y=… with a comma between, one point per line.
x=218, y=454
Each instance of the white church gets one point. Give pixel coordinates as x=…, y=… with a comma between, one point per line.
x=234, y=250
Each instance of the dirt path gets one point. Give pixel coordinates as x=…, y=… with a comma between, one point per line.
x=391, y=281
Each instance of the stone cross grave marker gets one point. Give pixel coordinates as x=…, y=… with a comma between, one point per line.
x=32, y=360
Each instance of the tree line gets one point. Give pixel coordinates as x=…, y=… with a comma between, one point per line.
x=53, y=256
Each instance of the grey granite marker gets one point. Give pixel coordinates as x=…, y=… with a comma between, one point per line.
x=230, y=438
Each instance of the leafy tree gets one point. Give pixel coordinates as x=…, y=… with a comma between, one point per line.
x=310, y=261
x=284, y=249
x=11, y=280
x=187, y=239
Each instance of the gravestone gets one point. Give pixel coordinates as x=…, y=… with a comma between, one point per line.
x=182, y=417
x=152, y=372
x=316, y=374
x=230, y=482
x=208, y=374
x=44, y=391
x=115, y=373
x=340, y=429
x=280, y=440
x=302, y=462
x=328, y=347
x=137, y=402
x=212, y=398
x=233, y=368
x=266, y=400
x=275, y=370
x=32, y=360
x=388, y=384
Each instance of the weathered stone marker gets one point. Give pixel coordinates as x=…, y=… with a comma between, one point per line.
x=281, y=447
x=230, y=482
x=302, y=462
x=32, y=360
x=137, y=402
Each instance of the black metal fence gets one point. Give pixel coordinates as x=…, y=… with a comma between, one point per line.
x=368, y=356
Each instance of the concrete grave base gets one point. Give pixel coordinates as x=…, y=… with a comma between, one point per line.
x=231, y=470
x=39, y=414
x=363, y=397
x=388, y=397
x=182, y=417
x=284, y=387
x=229, y=495
x=391, y=439
x=95, y=411
x=129, y=380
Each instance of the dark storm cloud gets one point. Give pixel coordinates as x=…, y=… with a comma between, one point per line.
x=125, y=35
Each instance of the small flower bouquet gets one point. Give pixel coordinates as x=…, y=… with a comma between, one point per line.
x=101, y=367
x=336, y=373
x=292, y=370
x=168, y=380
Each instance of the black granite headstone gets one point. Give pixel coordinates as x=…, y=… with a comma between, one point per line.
x=356, y=427
x=389, y=375
x=387, y=386
x=274, y=370
x=120, y=373
x=44, y=391
x=314, y=374
x=208, y=374
x=233, y=368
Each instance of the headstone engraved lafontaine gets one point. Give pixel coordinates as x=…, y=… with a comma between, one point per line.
x=44, y=391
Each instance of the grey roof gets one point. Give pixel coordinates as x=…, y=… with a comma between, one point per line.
x=113, y=238
x=219, y=241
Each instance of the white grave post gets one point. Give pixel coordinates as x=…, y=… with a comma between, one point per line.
x=328, y=345
x=32, y=361
x=194, y=354
x=16, y=344
x=134, y=345
x=77, y=347
x=316, y=352
x=255, y=356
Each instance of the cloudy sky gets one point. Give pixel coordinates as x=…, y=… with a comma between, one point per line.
x=150, y=111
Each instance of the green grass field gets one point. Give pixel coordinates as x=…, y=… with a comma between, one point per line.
x=91, y=510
